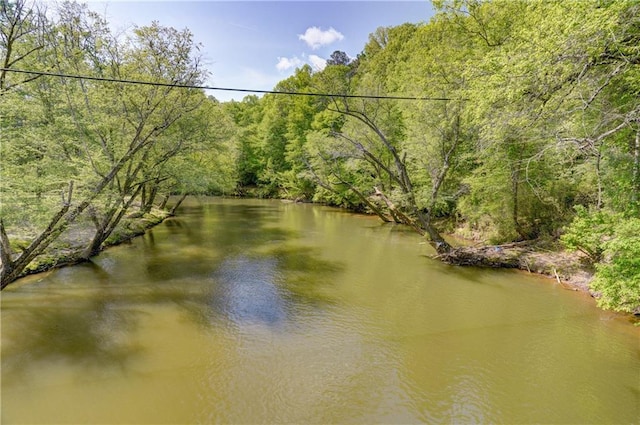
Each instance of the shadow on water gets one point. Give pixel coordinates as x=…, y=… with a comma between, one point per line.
x=305, y=276
x=242, y=227
x=86, y=334
x=479, y=275
x=196, y=245
x=228, y=262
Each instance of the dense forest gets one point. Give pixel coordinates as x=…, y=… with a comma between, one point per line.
x=501, y=121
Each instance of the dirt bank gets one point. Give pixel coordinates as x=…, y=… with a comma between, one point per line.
x=571, y=269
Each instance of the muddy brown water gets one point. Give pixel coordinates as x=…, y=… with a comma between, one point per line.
x=247, y=311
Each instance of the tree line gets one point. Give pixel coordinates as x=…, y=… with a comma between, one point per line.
x=527, y=127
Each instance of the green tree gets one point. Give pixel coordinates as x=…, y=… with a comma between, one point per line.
x=247, y=115
x=375, y=130
x=22, y=30
x=618, y=277
x=106, y=130
x=282, y=135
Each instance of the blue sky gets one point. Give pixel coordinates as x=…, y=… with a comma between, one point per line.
x=255, y=44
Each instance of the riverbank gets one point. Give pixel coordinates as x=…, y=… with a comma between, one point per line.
x=545, y=257
x=548, y=258
x=65, y=251
x=571, y=269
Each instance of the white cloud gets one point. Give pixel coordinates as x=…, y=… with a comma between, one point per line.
x=317, y=63
x=316, y=37
x=288, y=63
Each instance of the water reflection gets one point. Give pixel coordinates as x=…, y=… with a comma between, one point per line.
x=256, y=311
x=92, y=311
x=92, y=333
x=308, y=278
x=270, y=285
x=246, y=291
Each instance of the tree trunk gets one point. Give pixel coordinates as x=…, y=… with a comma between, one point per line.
x=143, y=199
x=599, y=180
x=364, y=199
x=636, y=168
x=152, y=197
x=98, y=237
x=148, y=195
x=105, y=228
x=175, y=207
x=163, y=204
x=404, y=219
x=6, y=253
x=437, y=242
x=515, y=210
x=12, y=270
x=373, y=207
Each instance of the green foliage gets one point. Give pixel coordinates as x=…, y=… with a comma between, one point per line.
x=589, y=231
x=612, y=241
x=617, y=279
x=73, y=148
x=246, y=116
x=533, y=113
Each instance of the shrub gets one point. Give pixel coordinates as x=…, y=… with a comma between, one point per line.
x=617, y=277
x=589, y=231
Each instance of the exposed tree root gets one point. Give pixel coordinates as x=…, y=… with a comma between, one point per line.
x=484, y=256
x=569, y=269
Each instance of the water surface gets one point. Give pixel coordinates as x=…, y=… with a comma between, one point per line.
x=246, y=311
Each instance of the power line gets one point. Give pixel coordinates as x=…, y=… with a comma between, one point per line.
x=189, y=86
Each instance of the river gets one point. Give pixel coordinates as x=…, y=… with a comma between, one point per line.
x=250, y=311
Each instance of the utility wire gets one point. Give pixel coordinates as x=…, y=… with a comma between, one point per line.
x=189, y=86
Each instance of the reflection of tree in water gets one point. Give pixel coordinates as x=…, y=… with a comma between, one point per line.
x=255, y=277
x=245, y=227
x=200, y=244
x=305, y=276
x=90, y=332
x=270, y=287
x=224, y=224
